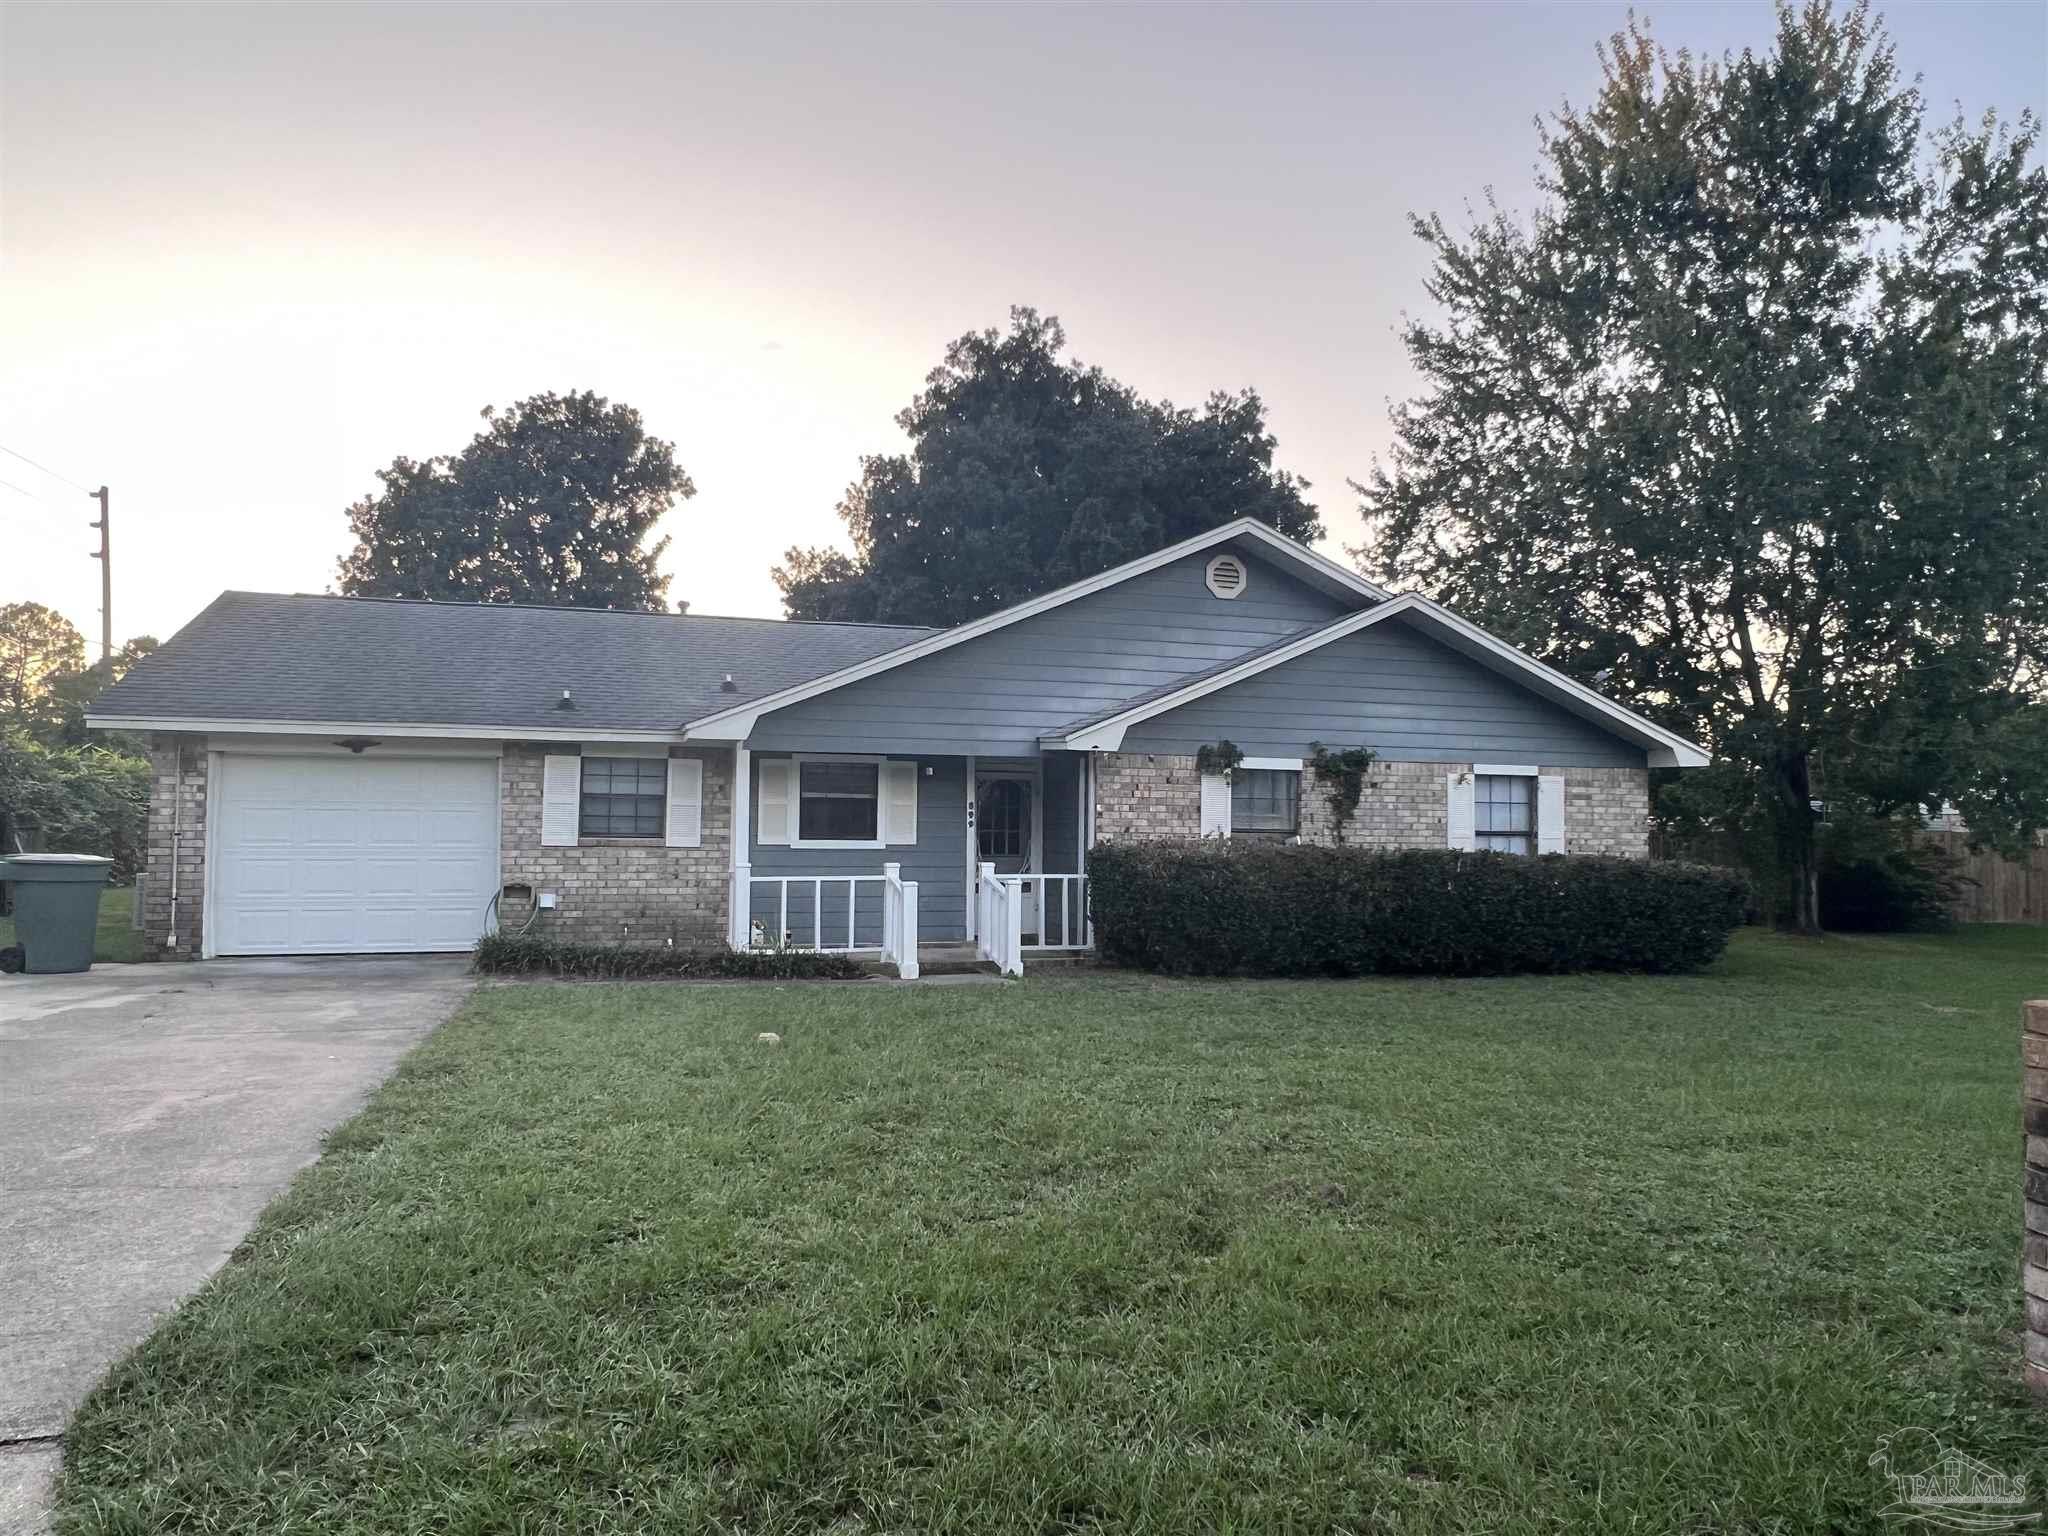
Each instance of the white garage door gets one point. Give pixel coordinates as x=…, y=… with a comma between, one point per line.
x=352, y=855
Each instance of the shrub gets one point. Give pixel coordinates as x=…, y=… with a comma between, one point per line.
x=504, y=954
x=73, y=800
x=1883, y=877
x=1234, y=909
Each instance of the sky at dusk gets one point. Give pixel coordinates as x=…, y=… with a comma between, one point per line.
x=248, y=256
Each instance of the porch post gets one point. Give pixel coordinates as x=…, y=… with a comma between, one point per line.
x=739, y=897
x=973, y=852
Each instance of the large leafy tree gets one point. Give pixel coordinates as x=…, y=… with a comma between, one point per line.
x=38, y=645
x=1028, y=470
x=551, y=503
x=1750, y=418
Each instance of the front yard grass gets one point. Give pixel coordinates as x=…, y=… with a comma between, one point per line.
x=1540, y=1255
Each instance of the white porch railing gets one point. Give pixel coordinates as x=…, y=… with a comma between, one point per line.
x=1056, y=910
x=808, y=910
x=899, y=921
x=999, y=920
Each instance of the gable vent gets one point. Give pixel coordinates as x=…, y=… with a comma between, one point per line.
x=1227, y=575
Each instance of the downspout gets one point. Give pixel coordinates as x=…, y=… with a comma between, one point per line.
x=177, y=799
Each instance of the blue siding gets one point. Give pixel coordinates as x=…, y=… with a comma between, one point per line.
x=1000, y=693
x=1396, y=691
x=938, y=863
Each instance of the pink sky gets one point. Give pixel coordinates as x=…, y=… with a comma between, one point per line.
x=248, y=256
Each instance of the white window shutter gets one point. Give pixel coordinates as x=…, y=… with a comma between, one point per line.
x=1550, y=813
x=899, y=803
x=1215, y=805
x=1458, y=820
x=775, y=805
x=685, y=802
x=561, y=796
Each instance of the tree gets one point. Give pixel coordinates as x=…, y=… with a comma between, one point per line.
x=37, y=644
x=1027, y=471
x=1750, y=417
x=72, y=693
x=550, y=503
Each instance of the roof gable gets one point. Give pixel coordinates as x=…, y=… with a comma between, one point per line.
x=1245, y=534
x=996, y=693
x=1105, y=731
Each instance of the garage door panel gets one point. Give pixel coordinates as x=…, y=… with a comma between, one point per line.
x=323, y=855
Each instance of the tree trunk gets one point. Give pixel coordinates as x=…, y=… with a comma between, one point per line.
x=1798, y=853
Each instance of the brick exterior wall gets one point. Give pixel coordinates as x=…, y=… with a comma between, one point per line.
x=1402, y=806
x=1607, y=810
x=617, y=891
x=189, y=802
x=1144, y=797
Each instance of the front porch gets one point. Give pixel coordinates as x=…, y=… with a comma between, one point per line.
x=890, y=856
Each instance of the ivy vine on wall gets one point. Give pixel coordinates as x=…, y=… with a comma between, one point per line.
x=1221, y=758
x=1343, y=774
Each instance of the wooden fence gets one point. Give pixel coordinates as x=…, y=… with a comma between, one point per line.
x=1997, y=889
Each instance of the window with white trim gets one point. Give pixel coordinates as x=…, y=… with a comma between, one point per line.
x=1504, y=812
x=623, y=797
x=839, y=802
x=1265, y=803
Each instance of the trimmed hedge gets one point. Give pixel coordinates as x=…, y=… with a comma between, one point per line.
x=504, y=954
x=1244, y=909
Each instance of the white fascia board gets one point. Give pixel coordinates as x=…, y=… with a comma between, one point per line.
x=1665, y=748
x=737, y=723
x=196, y=726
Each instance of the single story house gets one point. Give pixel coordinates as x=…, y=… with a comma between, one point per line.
x=346, y=775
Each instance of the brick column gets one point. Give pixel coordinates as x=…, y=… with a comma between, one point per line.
x=2034, y=1265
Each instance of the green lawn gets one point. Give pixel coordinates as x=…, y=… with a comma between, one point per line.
x=1551, y=1255
x=115, y=939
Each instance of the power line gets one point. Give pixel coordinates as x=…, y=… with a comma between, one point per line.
x=43, y=502
x=46, y=470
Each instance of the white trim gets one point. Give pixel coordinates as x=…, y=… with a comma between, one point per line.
x=1277, y=764
x=207, y=951
x=973, y=841
x=1507, y=770
x=1666, y=749
x=193, y=724
x=741, y=841
x=796, y=799
x=737, y=723
x=1213, y=805
x=1244, y=576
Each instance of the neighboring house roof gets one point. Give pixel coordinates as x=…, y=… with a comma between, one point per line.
x=1105, y=731
x=260, y=661
x=735, y=722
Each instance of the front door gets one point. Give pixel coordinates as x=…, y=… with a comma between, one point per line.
x=1002, y=820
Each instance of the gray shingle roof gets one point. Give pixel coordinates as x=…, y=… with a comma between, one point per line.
x=263, y=656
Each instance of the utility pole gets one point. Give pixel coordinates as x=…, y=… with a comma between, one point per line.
x=105, y=555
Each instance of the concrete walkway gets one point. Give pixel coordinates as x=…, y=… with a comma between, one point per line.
x=147, y=1114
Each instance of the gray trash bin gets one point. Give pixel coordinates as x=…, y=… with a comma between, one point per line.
x=56, y=906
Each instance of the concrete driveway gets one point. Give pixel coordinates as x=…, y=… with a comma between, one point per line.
x=147, y=1113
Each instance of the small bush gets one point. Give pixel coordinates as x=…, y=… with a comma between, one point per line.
x=504, y=954
x=1882, y=877
x=1233, y=909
